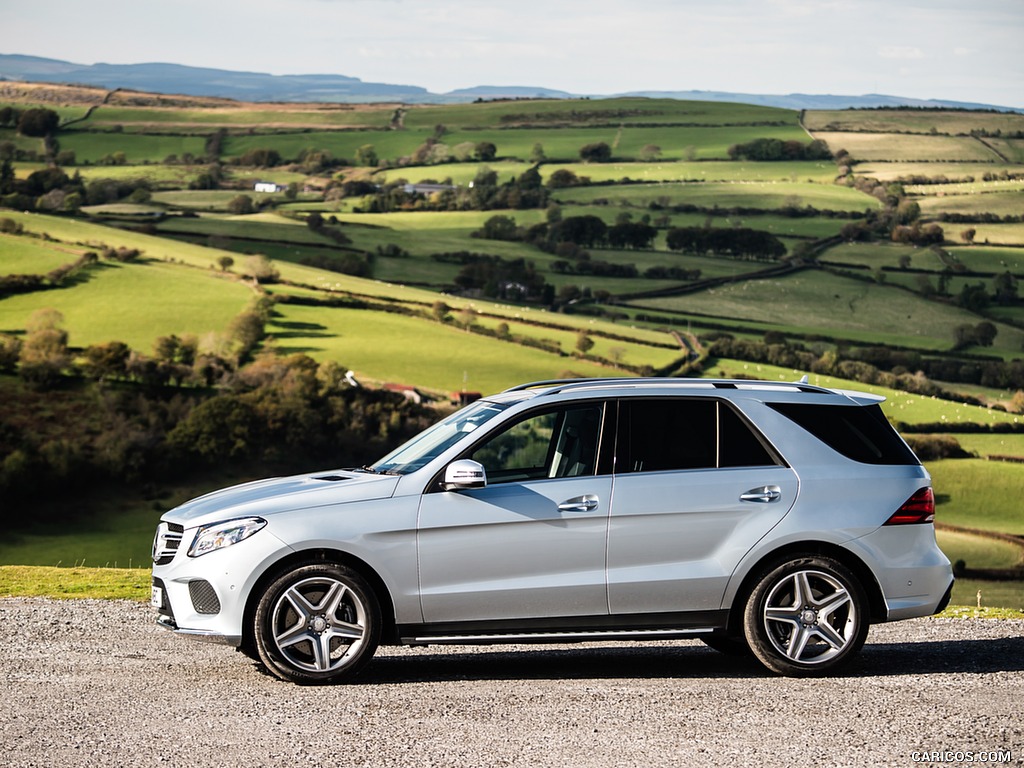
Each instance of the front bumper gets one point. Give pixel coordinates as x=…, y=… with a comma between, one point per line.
x=205, y=597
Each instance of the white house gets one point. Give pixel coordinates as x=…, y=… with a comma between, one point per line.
x=266, y=186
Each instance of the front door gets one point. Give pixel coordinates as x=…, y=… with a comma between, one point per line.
x=532, y=543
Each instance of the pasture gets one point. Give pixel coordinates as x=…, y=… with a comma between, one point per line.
x=858, y=310
x=908, y=147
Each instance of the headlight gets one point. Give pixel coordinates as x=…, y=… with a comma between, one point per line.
x=220, y=535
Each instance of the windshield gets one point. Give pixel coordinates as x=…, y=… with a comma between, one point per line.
x=434, y=440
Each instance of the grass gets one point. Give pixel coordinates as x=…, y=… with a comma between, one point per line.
x=388, y=347
x=134, y=303
x=979, y=551
x=898, y=406
x=985, y=445
x=919, y=121
x=908, y=147
x=1003, y=203
x=974, y=493
x=137, y=148
x=748, y=194
x=75, y=582
x=28, y=256
x=936, y=169
x=616, y=111
x=999, y=600
x=858, y=310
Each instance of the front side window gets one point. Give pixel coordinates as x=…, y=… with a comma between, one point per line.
x=554, y=443
x=434, y=440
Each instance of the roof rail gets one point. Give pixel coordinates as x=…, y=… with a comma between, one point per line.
x=559, y=385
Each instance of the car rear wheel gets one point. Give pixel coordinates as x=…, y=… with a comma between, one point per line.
x=806, y=617
x=317, y=624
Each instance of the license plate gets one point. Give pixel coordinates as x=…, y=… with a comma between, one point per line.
x=157, y=598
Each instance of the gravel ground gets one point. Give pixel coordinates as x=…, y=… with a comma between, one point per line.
x=96, y=683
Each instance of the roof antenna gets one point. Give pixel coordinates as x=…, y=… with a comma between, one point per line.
x=803, y=379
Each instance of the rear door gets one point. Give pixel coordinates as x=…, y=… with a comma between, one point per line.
x=695, y=488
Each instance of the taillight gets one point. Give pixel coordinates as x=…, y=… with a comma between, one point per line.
x=919, y=508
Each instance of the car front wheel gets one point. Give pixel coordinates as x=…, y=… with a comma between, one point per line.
x=317, y=624
x=806, y=617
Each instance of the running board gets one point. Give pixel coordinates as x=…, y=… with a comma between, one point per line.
x=556, y=637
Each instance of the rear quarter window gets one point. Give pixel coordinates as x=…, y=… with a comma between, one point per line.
x=861, y=433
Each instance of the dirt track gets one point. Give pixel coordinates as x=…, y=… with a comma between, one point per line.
x=91, y=683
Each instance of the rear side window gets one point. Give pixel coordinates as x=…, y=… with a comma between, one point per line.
x=685, y=433
x=861, y=433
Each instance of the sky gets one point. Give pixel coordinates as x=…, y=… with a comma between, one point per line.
x=962, y=50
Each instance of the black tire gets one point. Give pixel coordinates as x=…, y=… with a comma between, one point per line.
x=317, y=624
x=806, y=617
x=730, y=645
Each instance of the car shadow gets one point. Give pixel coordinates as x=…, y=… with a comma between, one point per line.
x=682, y=661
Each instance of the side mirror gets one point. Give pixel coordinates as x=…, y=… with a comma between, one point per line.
x=463, y=474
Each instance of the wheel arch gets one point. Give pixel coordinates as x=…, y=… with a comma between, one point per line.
x=316, y=556
x=867, y=580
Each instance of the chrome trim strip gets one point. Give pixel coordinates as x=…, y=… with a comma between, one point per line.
x=556, y=636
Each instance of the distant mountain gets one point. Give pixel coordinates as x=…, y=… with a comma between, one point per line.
x=199, y=81
x=506, y=92
x=260, y=86
x=814, y=101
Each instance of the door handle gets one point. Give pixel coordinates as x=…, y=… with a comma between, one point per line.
x=585, y=503
x=764, y=494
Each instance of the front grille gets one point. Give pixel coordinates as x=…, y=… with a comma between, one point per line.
x=166, y=542
x=204, y=597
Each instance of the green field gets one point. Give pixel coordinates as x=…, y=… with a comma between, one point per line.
x=22, y=256
x=973, y=493
x=903, y=147
x=913, y=121
x=1008, y=203
x=134, y=303
x=857, y=310
x=747, y=194
x=898, y=406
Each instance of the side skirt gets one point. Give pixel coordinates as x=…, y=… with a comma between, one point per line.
x=662, y=626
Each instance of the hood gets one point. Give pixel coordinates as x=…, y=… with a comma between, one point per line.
x=281, y=494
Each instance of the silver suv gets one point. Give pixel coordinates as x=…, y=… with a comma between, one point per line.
x=766, y=518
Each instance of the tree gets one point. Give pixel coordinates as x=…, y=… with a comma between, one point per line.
x=38, y=122
x=583, y=342
x=44, y=353
x=587, y=231
x=1005, y=288
x=467, y=318
x=225, y=263
x=598, y=152
x=498, y=227
x=650, y=152
x=261, y=269
x=241, y=205
x=106, y=361
x=562, y=178
x=485, y=151
x=10, y=350
x=537, y=153
x=968, y=235
x=441, y=311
